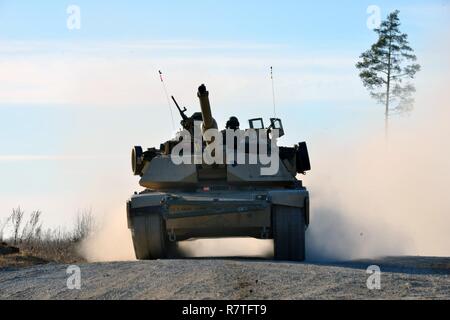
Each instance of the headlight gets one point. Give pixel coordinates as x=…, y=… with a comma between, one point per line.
x=137, y=160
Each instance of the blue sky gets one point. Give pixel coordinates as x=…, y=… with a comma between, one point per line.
x=304, y=23
x=73, y=102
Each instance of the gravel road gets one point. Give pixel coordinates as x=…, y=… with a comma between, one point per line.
x=401, y=278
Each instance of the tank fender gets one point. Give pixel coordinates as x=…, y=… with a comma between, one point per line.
x=291, y=198
x=143, y=200
x=147, y=199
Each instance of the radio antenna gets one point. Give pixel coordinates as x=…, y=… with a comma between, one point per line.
x=273, y=93
x=167, y=97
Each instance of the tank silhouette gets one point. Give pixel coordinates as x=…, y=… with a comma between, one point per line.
x=228, y=198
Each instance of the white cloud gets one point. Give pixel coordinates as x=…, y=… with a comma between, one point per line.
x=146, y=46
x=126, y=73
x=56, y=157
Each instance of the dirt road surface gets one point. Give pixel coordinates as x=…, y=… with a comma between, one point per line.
x=401, y=278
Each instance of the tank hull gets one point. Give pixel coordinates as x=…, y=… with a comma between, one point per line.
x=209, y=214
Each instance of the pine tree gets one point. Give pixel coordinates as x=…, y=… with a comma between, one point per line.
x=386, y=68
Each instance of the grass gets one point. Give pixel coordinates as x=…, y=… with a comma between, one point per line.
x=38, y=246
x=20, y=260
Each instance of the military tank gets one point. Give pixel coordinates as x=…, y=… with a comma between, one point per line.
x=215, y=199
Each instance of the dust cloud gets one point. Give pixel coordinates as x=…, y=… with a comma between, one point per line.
x=111, y=241
x=382, y=197
x=375, y=198
x=232, y=247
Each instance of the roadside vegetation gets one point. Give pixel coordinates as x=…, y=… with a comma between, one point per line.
x=24, y=241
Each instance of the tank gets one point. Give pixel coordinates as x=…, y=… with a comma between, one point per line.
x=211, y=183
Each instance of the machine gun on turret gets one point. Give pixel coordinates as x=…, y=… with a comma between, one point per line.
x=184, y=117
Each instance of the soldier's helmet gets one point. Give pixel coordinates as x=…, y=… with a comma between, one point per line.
x=232, y=123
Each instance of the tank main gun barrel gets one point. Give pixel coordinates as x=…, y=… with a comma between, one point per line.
x=208, y=120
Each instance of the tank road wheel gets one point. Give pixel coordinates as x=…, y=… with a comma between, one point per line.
x=288, y=233
x=150, y=239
